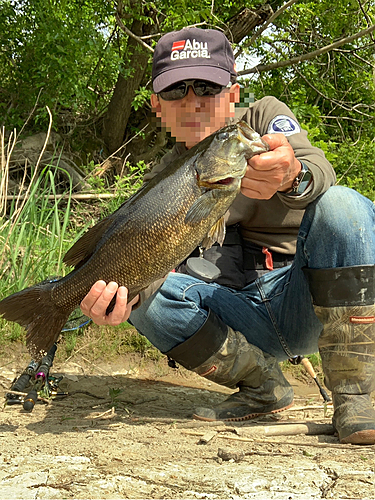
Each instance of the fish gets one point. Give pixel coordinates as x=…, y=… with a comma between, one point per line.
x=157, y=228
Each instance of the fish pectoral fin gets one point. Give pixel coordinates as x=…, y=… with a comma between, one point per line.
x=85, y=246
x=215, y=234
x=201, y=208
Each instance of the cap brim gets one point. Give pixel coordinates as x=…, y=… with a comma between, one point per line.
x=168, y=78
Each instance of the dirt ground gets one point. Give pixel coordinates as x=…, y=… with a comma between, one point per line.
x=125, y=431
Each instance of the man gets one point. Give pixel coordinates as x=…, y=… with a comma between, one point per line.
x=297, y=265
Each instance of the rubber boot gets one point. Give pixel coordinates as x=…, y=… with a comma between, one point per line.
x=344, y=302
x=224, y=356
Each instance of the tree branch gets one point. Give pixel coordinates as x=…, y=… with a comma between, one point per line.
x=265, y=26
x=353, y=52
x=335, y=102
x=130, y=33
x=310, y=55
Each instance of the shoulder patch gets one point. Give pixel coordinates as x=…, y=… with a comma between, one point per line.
x=283, y=124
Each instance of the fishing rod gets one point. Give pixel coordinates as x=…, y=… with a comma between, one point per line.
x=20, y=383
x=36, y=373
x=41, y=379
x=296, y=360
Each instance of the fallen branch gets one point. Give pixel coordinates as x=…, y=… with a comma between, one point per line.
x=17, y=393
x=307, y=428
x=106, y=415
x=289, y=443
x=78, y=196
x=86, y=393
x=240, y=455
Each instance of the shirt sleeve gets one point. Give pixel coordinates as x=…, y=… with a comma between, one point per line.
x=270, y=116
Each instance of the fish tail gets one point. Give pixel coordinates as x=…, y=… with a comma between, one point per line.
x=34, y=309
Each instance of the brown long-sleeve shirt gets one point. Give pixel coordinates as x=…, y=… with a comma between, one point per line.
x=272, y=223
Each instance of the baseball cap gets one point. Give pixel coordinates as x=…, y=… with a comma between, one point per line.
x=192, y=53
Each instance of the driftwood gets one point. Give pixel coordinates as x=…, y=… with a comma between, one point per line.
x=289, y=443
x=27, y=152
x=77, y=196
x=307, y=428
x=237, y=456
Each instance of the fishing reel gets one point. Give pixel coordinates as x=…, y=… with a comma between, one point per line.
x=35, y=381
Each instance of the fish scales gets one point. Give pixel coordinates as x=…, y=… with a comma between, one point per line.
x=146, y=231
x=146, y=237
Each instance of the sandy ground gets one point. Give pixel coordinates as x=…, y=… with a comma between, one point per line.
x=125, y=431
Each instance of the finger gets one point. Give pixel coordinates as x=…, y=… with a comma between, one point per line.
x=99, y=309
x=261, y=188
x=259, y=193
x=272, y=178
x=122, y=309
x=119, y=312
x=275, y=140
x=89, y=300
x=279, y=158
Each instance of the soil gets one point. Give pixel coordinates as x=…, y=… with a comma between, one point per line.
x=125, y=431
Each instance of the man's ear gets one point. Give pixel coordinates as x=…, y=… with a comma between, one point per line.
x=235, y=93
x=155, y=103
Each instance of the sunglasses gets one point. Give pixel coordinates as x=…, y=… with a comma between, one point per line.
x=201, y=88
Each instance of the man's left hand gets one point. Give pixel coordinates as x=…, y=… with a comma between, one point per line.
x=272, y=171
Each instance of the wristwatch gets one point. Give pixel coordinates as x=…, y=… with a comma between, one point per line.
x=301, y=182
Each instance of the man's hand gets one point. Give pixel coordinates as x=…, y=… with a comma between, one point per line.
x=95, y=304
x=272, y=171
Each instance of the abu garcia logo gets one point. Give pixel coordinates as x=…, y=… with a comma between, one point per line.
x=185, y=49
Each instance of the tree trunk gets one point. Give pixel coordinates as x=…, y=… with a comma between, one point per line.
x=245, y=21
x=119, y=108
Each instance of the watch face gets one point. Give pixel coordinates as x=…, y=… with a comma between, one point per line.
x=305, y=181
x=302, y=181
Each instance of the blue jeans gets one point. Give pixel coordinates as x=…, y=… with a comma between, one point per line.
x=275, y=312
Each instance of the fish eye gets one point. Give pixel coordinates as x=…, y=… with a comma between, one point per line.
x=223, y=136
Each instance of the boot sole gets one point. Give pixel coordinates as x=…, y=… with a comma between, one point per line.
x=360, y=437
x=246, y=417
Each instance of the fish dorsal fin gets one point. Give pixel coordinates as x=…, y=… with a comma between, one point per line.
x=85, y=246
x=216, y=233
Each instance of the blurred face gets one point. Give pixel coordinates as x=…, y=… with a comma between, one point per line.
x=193, y=117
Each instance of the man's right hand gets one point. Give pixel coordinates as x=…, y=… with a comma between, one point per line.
x=95, y=303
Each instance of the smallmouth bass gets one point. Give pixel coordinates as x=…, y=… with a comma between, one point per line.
x=149, y=235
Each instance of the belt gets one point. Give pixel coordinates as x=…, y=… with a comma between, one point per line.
x=256, y=257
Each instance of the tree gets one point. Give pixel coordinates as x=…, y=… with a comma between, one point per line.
x=90, y=62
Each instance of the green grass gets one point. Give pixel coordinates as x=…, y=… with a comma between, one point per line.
x=37, y=228
x=35, y=231
x=34, y=236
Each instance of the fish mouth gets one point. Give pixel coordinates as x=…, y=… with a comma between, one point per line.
x=251, y=140
x=226, y=181
x=221, y=182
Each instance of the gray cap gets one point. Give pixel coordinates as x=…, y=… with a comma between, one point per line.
x=192, y=53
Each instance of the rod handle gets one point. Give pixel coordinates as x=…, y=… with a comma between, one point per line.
x=30, y=400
